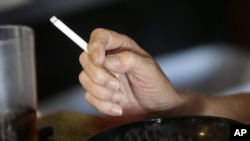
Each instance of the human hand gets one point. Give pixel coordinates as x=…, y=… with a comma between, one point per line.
x=141, y=86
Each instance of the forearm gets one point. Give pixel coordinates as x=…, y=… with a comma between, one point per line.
x=233, y=106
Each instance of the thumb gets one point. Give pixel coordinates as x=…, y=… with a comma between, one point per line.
x=127, y=62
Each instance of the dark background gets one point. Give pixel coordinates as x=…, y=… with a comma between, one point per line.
x=158, y=26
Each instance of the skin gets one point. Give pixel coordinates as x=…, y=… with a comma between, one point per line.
x=142, y=90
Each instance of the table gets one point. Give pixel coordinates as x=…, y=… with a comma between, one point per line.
x=75, y=126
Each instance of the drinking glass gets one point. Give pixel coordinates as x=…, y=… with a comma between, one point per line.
x=18, y=98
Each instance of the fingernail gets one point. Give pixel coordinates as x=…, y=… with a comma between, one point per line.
x=114, y=85
x=116, y=111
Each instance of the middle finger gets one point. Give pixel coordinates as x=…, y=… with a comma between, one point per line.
x=98, y=74
x=101, y=93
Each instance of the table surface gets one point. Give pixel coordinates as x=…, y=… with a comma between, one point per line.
x=74, y=126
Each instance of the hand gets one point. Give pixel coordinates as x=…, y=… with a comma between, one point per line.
x=141, y=86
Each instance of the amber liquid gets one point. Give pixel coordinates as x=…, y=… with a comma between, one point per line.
x=19, y=127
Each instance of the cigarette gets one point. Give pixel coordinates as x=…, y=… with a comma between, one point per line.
x=68, y=32
x=72, y=35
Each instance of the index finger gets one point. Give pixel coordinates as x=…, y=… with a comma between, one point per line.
x=103, y=40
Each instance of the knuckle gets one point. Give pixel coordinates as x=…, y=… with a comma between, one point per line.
x=93, y=46
x=104, y=96
x=100, y=34
x=96, y=30
x=97, y=33
x=84, y=81
x=83, y=59
x=131, y=59
x=98, y=78
x=81, y=77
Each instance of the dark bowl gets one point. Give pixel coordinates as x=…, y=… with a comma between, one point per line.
x=185, y=128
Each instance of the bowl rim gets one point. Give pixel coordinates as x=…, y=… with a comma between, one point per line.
x=165, y=119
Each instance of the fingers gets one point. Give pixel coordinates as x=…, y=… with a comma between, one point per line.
x=102, y=40
x=105, y=107
x=102, y=98
x=101, y=93
x=110, y=51
x=129, y=62
x=97, y=74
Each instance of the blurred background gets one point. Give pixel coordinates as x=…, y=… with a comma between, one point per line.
x=202, y=46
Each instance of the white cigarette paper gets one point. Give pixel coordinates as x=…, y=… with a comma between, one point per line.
x=68, y=32
x=72, y=35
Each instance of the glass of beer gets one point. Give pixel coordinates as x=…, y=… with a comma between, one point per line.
x=18, y=99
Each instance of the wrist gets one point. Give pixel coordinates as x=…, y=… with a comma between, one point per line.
x=184, y=104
